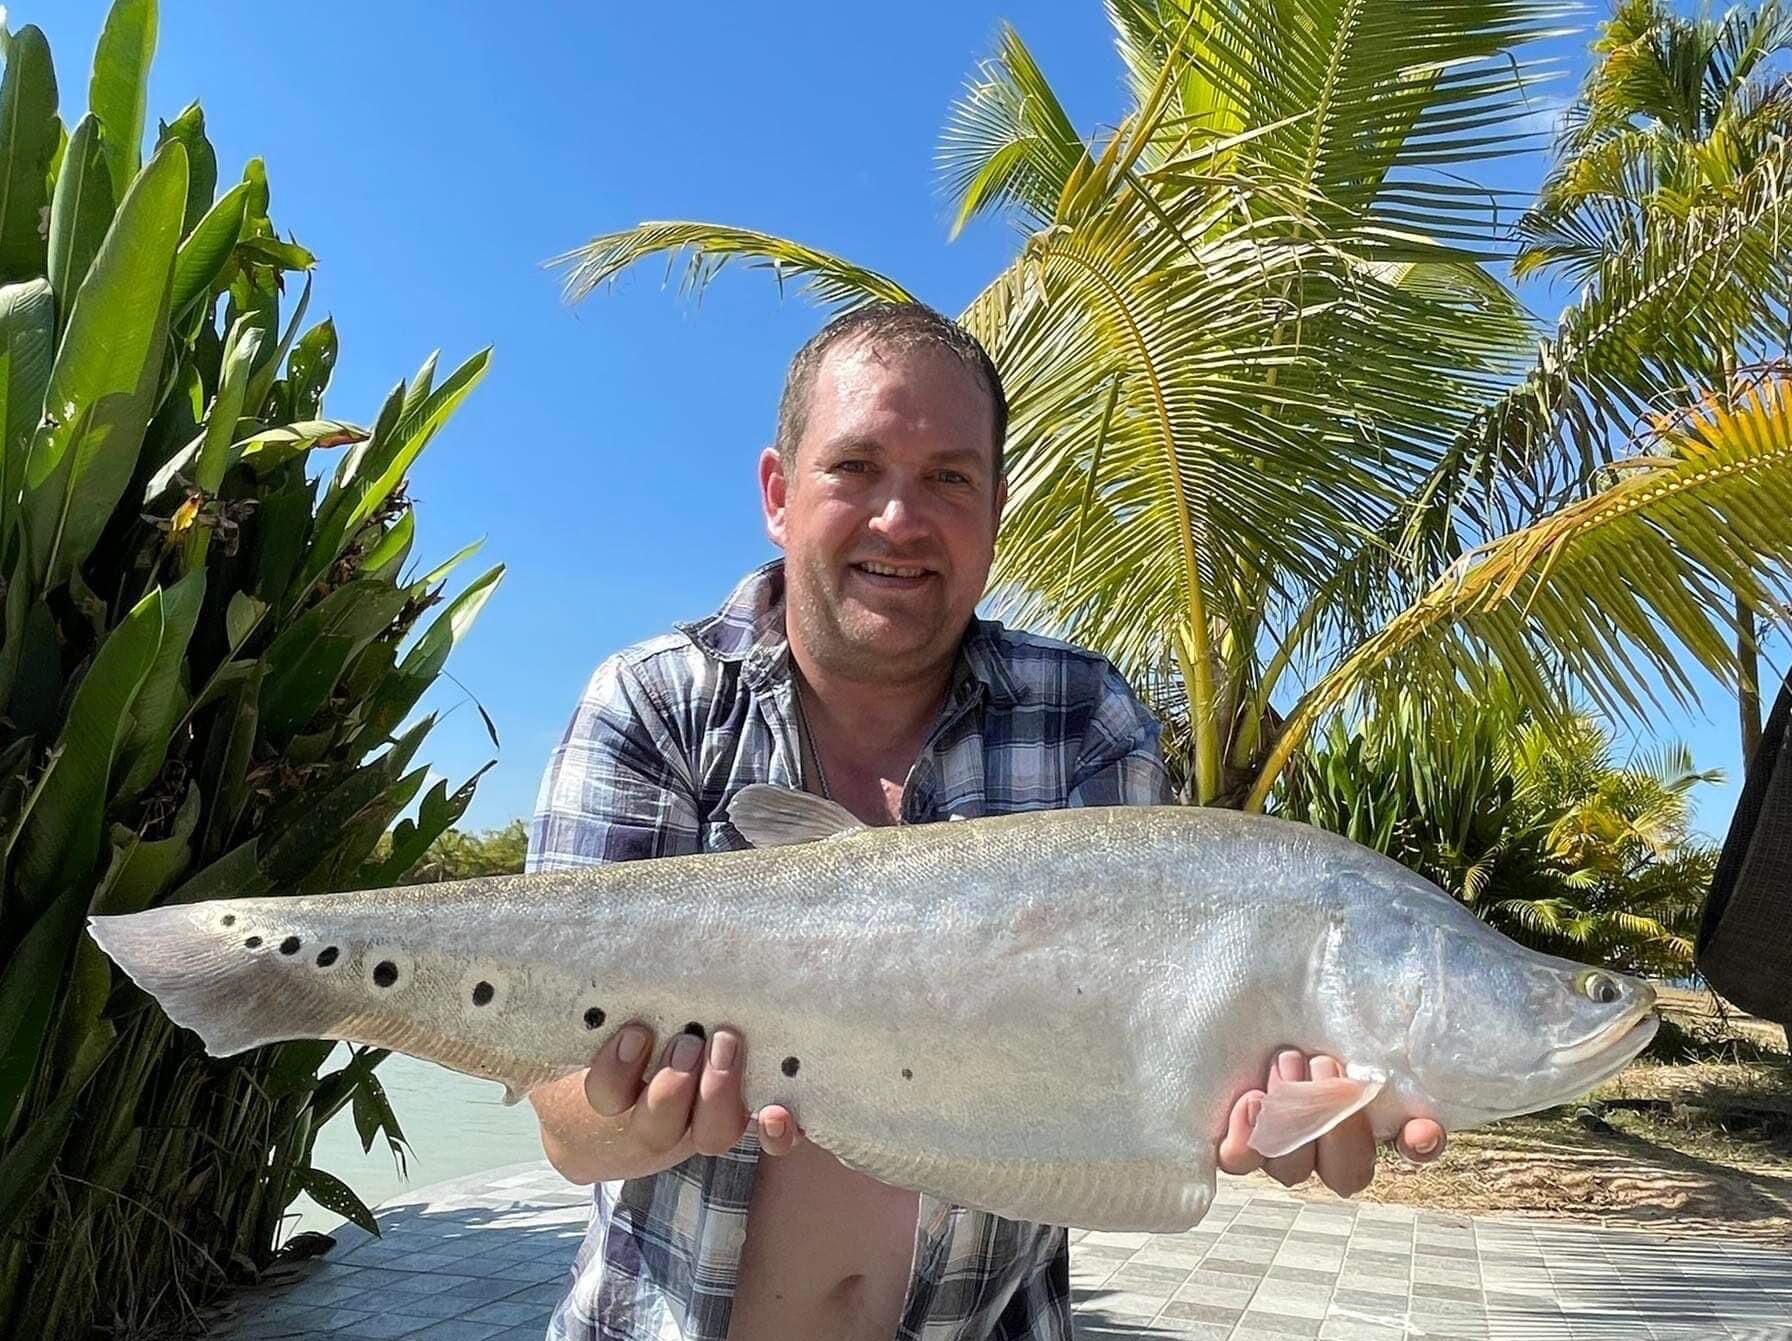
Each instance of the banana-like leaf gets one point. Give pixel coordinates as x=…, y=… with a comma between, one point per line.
x=206, y=248
x=118, y=93
x=79, y=215
x=162, y=699
x=27, y=347
x=143, y=869
x=61, y=840
x=30, y=132
x=28, y=992
x=308, y=371
x=202, y=163
x=107, y=370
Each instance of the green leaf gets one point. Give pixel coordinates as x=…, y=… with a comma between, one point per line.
x=202, y=162
x=118, y=93
x=207, y=249
x=27, y=345
x=235, y=875
x=263, y=380
x=29, y=133
x=241, y=618
x=28, y=991
x=411, y=839
x=163, y=697
x=331, y=1193
x=295, y=1066
x=308, y=370
x=28, y=1162
x=61, y=841
x=143, y=869
x=103, y=384
x=79, y=215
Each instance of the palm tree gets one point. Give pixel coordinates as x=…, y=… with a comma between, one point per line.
x=1280, y=439
x=1678, y=136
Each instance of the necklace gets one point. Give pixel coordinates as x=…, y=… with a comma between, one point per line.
x=808, y=747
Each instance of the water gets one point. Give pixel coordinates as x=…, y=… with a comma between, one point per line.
x=454, y=1125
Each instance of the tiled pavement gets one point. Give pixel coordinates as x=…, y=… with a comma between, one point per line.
x=485, y=1258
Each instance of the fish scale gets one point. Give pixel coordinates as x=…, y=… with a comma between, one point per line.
x=1046, y=1016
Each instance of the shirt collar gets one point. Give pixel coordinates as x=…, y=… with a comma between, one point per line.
x=749, y=628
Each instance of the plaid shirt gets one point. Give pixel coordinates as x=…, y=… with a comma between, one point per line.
x=667, y=732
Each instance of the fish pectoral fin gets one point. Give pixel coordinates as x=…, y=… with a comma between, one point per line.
x=769, y=816
x=1304, y=1110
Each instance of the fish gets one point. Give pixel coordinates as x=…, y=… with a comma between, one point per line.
x=1046, y=1016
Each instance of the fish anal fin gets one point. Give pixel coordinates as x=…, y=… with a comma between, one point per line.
x=769, y=816
x=1304, y=1110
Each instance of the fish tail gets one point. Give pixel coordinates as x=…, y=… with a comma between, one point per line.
x=198, y=971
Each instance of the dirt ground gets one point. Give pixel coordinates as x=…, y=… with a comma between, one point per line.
x=1700, y=1146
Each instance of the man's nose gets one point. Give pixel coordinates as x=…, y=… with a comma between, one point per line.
x=898, y=519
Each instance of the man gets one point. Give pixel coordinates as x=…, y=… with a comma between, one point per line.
x=854, y=667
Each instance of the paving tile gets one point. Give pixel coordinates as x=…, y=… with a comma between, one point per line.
x=1302, y=1301
x=1130, y=1304
x=1356, y=1329
x=508, y=1314
x=1200, y=1312
x=1281, y=1325
x=386, y=1327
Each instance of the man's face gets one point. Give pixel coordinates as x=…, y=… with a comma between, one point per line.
x=887, y=515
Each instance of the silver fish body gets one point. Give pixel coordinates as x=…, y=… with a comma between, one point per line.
x=1046, y=1016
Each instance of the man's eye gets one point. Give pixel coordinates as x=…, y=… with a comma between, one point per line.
x=953, y=477
x=853, y=467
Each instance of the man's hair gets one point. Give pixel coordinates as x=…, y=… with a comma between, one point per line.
x=897, y=327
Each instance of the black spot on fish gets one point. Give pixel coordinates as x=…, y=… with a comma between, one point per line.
x=327, y=956
x=790, y=1066
x=385, y=973
x=289, y=946
x=229, y=919
x=695, y=1030
x=593, y=1017
x=907, y=1074
x=252, y=943
x=483, y=992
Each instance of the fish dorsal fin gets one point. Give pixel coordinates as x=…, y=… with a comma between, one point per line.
x=769, y=816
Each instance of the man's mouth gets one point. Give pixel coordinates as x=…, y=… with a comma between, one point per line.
x=892, y=575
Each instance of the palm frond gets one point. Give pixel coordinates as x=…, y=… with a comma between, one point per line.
x=706, y=248
x=1008, y=141
x=1621, y=577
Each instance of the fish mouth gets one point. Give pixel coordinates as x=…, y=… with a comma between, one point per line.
x=1595, y=1060
x=1596, y=1044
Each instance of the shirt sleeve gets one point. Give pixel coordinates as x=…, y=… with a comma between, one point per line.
x=618, y=786
x=1122, y=761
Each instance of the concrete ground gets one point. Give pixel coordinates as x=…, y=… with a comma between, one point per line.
x=486, y=1257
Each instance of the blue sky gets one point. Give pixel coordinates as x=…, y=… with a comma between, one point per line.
x=434, y=155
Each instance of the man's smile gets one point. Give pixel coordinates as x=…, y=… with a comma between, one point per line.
x=892, y=576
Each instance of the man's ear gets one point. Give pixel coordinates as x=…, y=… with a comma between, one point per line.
x=774, y=490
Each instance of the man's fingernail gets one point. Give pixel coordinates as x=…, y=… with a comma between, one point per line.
x=686, y=1049
x=773, y=1127
x=722, y=1049
x=1252, y=1108
x=1290, y=1064
x=630, y=1045
x=1425, y=1145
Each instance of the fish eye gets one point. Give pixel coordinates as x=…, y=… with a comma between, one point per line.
x=1601, y=988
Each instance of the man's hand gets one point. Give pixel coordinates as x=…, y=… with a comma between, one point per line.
x=692, y=1105
x=1344, y=1157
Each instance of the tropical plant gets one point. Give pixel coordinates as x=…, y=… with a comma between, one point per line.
x=1540, y=830
x=1678, y=143
x=468, y=856
x=206, y=670
x=1281, y=441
